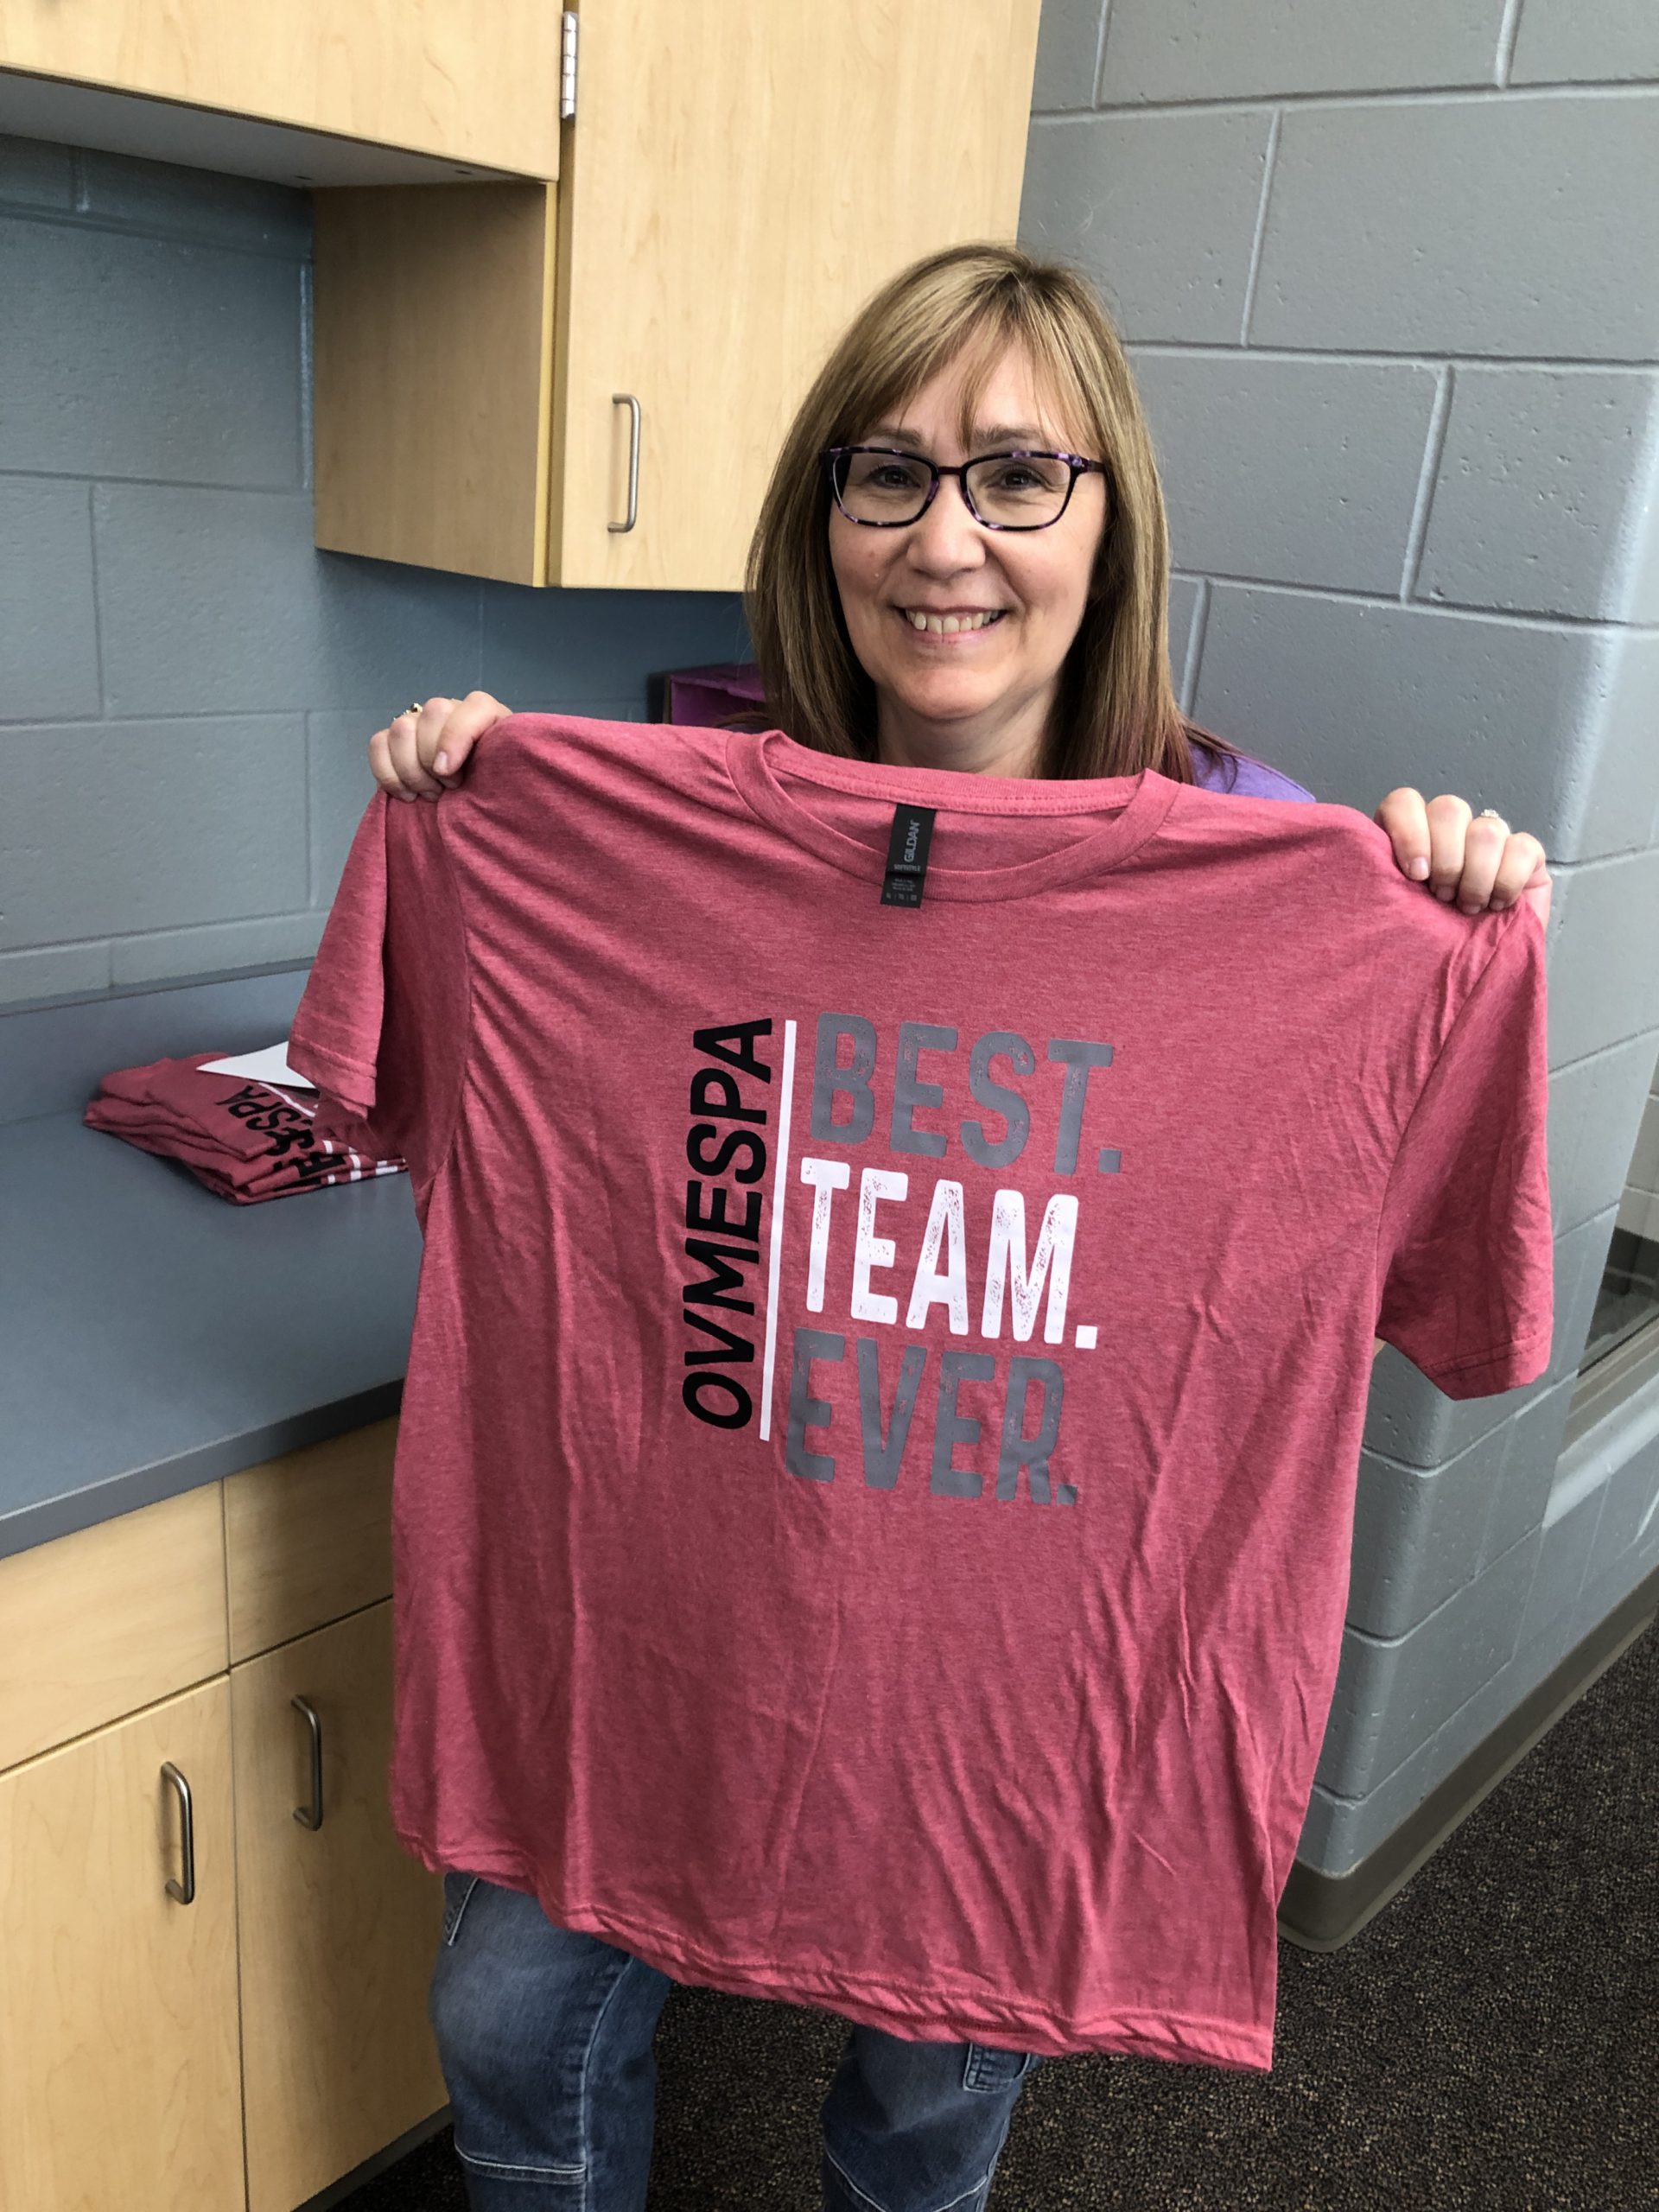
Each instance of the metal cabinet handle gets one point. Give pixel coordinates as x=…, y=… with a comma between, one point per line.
x=310, y=1816
x=186, y=1894
x=626, y=399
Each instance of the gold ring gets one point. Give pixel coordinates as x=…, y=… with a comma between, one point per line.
x=414, y=708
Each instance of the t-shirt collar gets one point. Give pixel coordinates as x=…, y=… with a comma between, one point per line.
x=1120, y=813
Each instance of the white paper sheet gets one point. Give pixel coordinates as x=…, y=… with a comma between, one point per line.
x=269, y=1064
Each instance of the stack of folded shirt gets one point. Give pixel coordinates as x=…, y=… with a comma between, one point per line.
x=246, y=1141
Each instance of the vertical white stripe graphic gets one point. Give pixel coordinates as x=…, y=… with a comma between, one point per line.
x=779, y=1184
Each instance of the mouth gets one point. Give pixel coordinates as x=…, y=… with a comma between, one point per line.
x=957, y=630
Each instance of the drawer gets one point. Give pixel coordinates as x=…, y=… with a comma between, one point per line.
x=308, y=1537
x=97, y=1623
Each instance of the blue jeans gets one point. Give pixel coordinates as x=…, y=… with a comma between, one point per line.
x=545, y=2035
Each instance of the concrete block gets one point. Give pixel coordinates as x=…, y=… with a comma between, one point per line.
x=219, y=602
x=1410, y=1423
x=1603, y=40
x=225, y=945
x=1392, y=1697
x=1597, y=999
x=36, y=174
x=250, y=213
x=342, y=783
x=1465, y=226
x=1544, y=502
x=1356, y=697
x=1158, y=211
x=1627, y=1533
x=1231, y=49
x=1580, y=1263
x=144, y=357
x=48, y=625
x=1068, y=50
x=1644, y=1154
x=573, y=647
x=113, y=829
x=1342, y=1830
x=1615, y=786
x=53, y=971
x=1563, y=1558
x=1520, y=1497
x=1283, y=470
x=1597, y=1107
x=1417, y=1535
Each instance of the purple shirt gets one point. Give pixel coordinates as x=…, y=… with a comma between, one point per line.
x=1248, y=778
x=711, y=694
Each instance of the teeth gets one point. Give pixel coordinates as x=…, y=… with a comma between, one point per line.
x=946, y=626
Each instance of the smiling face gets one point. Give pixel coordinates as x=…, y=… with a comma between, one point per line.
x=978, y=697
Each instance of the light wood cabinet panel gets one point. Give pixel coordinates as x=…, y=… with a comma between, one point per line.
x=469, y=79
x=433, y=329
x=738, y=177
x=118, y=2075
x=308, y=1537
x=98, y=1623
x=339, y=1925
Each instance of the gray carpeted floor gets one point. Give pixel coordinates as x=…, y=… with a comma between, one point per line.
x=1491, y=2039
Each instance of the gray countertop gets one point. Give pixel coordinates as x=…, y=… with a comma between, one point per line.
x=157, y=1336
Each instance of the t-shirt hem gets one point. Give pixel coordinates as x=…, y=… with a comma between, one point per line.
x=936, y=2014
x=351, y=1080
x=1502, y=1367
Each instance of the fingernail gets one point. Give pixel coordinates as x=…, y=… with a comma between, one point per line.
x=441, y=764
x=1469, y=906
x=1418, y=869
x=1443, y=891
x=409, y=795
x=1498, y=905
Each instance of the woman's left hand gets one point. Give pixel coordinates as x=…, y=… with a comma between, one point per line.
x=1472, y=860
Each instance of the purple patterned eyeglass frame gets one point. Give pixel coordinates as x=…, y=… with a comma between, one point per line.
x=1074, y=461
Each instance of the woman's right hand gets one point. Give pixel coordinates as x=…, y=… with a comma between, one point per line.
x=422, y=755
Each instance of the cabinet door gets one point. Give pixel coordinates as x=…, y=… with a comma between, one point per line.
x=338, y=1924
x=739, y=176
x=475, y=79
x=118, y=2025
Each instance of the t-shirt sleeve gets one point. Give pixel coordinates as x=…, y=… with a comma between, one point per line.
x=381, y=1027
x=1465, y=1253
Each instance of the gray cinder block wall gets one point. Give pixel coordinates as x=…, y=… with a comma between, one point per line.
x=1390, y=279
x=187, y=686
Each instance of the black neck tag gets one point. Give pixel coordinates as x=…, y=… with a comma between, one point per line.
x=913, y=832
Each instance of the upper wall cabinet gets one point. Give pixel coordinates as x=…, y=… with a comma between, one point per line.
x=586, y=383
x=469, y=81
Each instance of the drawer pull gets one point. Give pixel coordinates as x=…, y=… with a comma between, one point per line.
x=310, y=1816
x=186, y=1894
x=626, y=399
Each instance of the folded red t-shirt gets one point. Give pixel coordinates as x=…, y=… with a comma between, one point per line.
x=246, y=1141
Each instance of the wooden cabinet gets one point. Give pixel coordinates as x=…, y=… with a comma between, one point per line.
x=738, y=177
x=338, y=1923
x=118, y=2026
x=473, y=79
x=238, y=2048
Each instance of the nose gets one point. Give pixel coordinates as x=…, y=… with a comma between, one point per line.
x=946, y=537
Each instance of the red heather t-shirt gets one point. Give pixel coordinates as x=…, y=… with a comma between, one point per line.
x=872, y=1504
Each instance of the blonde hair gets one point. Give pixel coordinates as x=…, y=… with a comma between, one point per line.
x=1115, y=711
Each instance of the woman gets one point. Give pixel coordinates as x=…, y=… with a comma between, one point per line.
x=960, y=562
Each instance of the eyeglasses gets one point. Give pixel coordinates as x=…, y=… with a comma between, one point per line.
x=887, y=488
